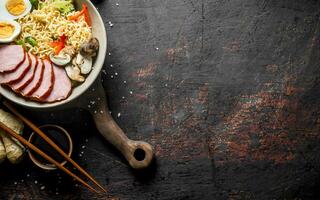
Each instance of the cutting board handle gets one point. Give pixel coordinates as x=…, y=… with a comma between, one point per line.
x=139, y=154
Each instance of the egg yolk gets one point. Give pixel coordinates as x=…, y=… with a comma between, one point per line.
x=16, y=7
x=6, y=30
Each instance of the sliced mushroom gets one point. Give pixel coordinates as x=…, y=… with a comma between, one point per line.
x=79, y=60
x=73, y=73
x=70, y=50
x=84, y=63
x=89, y=49
x=61, y=59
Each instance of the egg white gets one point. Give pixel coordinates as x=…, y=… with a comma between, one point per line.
x=16, y=32
x=5, y=15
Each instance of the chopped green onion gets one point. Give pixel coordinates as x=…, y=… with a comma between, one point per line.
x=34, y=3
x=31, y=41
x=20, y=42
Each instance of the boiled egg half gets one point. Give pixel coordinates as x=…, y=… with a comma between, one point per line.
x=14, y=9
x=9, y=30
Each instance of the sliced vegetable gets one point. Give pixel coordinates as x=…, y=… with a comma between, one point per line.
x=73, y=73
x=70, y=50
x=23, y=44
x=59, y=45
x=89, y=49
x=34, y=4
x=31, y=41
x=20, y=42
x=64, y=6
x=83, y=12
x=61, y=59
x=84, y=63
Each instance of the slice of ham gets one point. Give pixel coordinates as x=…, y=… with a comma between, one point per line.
x=17, y=74
x=27, y=78
x=35, y=82
x=46, y=84
x=61, y=87
x=11, y=56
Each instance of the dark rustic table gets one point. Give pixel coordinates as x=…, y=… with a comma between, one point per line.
x=227, y=92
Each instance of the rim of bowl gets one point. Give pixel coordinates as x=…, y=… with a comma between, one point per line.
x=94, y=74
x=48, y=166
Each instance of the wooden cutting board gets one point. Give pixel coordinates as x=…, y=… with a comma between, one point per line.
x=139, y=154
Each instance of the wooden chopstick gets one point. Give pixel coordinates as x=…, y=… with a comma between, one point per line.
x=44, y=155
x=49, y=141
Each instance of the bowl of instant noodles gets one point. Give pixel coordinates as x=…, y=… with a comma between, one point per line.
x=57, y=55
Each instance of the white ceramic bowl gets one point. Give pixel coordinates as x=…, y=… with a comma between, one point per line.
x=99, y=32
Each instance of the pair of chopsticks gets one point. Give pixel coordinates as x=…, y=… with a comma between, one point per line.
x=44, y=155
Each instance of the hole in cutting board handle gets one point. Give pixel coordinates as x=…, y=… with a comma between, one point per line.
x=139, y=154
